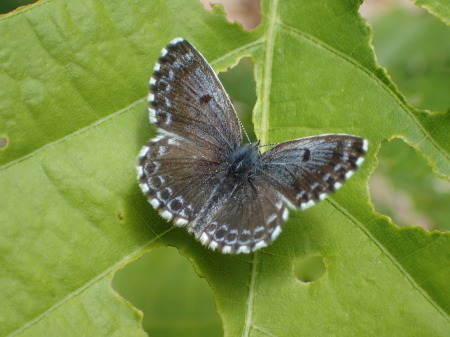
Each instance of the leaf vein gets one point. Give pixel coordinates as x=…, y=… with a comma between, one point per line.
x=251, y=296
x=388, y=254
x=86, y=285
x=267, y=74
x=264, y=331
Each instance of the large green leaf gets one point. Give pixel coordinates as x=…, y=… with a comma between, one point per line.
x=72, y=108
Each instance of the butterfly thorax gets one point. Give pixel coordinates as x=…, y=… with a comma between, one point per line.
x=244, y=161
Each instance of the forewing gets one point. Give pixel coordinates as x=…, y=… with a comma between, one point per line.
x=177, y=177
x=307, y=170
x=247, y=217
x=187, y=99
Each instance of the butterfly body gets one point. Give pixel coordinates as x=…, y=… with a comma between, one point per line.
x=243, y=162
x=200, y=174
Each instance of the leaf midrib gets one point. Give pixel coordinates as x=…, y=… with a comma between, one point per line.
x=267, y=81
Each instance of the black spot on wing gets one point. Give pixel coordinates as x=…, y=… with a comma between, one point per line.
x=205, y=99
x=306, y=155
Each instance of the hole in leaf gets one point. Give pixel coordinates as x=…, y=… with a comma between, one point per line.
x=174, y=299
x=7, y=6
x=309, y=269
x=404, y=188
x=240, y=85
x=3, y=142
x=247, y=13
x=413, y=46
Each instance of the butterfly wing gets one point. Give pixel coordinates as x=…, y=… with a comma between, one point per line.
x=306, y=170
x=198, y=128
x=177, y=177
x=297, y=173
x=187, y=99
x=247, y=217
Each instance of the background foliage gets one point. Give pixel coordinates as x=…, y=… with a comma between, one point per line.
x=73, y=114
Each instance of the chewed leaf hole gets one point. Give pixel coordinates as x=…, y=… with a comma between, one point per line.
x=247, y=13
x=404, y=188
x=309, y=269
x=174, y=299
x=3, y=142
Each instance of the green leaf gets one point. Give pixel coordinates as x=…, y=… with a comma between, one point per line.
x=440, y=8
x=72, y=109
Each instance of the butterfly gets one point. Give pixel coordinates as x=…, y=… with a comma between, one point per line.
x=199, y=173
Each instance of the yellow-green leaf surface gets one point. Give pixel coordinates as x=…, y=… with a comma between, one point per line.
x=74, y=77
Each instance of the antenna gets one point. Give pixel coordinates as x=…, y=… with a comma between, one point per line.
x=246, y=134
x=268, y=144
